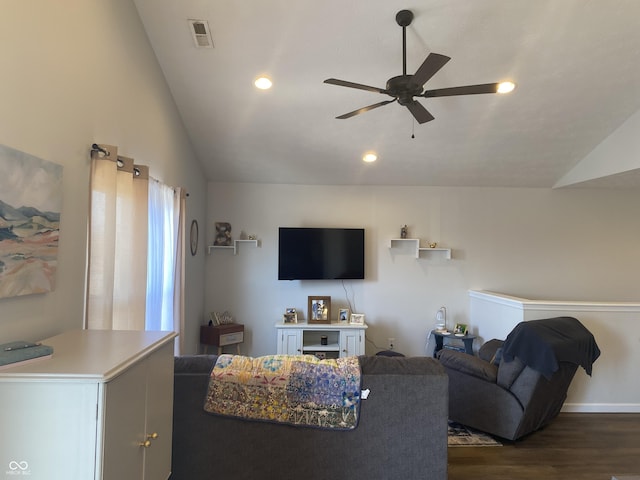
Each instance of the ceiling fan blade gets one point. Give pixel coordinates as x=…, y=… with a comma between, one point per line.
x=420, y=113
x=344, y=83
x=365, y=109
x=430, y=67
x=465, y=90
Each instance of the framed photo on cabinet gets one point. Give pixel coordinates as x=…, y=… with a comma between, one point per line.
x=290, y=316
x=319, y=309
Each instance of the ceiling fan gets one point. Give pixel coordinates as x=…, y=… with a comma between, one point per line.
x=404, y=88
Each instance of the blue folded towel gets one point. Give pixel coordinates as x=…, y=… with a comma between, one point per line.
x=21, y=351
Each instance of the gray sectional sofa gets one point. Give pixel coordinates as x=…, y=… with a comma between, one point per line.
x=402, y=432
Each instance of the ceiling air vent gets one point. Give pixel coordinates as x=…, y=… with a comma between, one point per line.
x=201, y=33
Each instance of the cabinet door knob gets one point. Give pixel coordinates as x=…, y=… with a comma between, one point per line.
x=145, y=444
x=153, y=435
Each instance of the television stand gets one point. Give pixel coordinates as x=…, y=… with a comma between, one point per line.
x=328, y=340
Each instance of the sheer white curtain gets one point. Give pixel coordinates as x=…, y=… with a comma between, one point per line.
x=165, y=292
x=136, y=248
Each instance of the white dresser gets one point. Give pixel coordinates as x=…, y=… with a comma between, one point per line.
x=100, y=409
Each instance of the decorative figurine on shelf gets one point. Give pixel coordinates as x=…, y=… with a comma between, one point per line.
x=223, y=234
x=403, y=231
x=433, y=244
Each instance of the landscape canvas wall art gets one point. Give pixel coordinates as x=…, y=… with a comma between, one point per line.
x=30, y=206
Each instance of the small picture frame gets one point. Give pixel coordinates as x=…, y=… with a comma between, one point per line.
x=223, y=318
x=460, y=329
x=357, y=319
x=220, y=318
x=343, y=315
x=290, y=316
x=319, y=309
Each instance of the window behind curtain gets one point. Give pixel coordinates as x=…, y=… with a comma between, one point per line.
x=161, y=267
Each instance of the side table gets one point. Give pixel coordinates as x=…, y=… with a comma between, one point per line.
x=467, y=340
x=221, y=336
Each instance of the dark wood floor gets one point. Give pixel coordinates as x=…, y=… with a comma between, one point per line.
x=576, y=446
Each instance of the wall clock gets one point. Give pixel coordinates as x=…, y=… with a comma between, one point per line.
x=194, y=237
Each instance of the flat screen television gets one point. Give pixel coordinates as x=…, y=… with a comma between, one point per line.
x=320, y=253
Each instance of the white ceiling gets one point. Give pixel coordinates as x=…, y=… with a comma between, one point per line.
x=576, y=64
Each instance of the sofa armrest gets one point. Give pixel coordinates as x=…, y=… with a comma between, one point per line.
x=194, y=364
x=465, y=363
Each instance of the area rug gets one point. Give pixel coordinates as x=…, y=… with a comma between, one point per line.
x=463, y=436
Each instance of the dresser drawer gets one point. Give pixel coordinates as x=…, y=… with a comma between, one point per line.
x=231, y=338
x=222, y=335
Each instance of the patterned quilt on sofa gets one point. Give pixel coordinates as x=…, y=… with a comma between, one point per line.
x=297, y=390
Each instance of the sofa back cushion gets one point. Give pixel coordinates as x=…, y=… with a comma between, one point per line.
x=194, y=364
x=509, y=371
x=370, y=365
x=383, y=365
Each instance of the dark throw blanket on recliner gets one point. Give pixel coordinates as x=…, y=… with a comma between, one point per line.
x=543, y=344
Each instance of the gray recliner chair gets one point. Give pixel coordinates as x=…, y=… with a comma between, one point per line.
x=517, y=386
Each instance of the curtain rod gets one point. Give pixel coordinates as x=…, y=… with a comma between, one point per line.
x=173, y=188
x=136, y=171
x=97, y=148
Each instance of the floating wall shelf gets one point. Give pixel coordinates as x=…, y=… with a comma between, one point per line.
x=233, y=247
x=396, y=242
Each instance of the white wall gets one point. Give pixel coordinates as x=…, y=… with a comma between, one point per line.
x=613, y=386
x=73, y=73
x=534, y=243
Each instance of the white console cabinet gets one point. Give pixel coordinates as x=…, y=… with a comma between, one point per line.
x=99, y=409
x=342, y=339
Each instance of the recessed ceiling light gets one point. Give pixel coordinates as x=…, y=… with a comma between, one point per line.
x=263, y=83
x=506, y=87
x=369, y=157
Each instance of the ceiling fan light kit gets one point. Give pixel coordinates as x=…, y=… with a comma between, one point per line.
x=369, y=157
x=263, y=83
x=506, y=87
x=403, y=88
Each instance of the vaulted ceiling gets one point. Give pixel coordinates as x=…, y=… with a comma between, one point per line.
x=570, y=120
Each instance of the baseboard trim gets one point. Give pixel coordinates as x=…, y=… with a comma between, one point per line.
x=601, y=407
